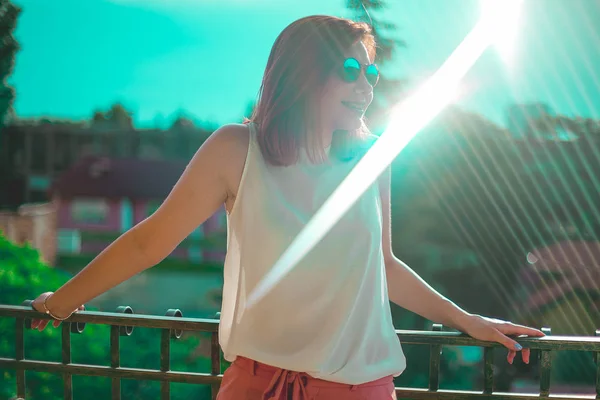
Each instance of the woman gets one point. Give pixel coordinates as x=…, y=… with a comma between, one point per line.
x=325, y=331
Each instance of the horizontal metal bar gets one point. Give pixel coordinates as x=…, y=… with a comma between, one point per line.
x=411, y=393
x=99, y=370
x=581, y=343
x=107, y=318
x=199, y=378
x=576, y=343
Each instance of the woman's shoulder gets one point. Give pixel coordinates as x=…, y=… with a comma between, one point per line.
x=229, y=142
x=230, y=146
x=232, y=138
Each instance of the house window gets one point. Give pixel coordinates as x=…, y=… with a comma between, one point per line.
x=90, y=211
x=68, y=241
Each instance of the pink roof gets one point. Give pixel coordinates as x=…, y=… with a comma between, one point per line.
x=561, y=269
x=118, y=177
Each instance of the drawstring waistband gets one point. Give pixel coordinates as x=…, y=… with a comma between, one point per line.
x=286, y=385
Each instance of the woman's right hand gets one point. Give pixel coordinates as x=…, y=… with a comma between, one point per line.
x=38, y=305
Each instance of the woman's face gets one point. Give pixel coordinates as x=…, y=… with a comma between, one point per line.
x=343, y=104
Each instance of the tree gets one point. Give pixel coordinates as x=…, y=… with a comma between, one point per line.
x=98, y=118
x=468, y=185
x=388, y=91
x=501, y=196
x=183, y=122
x=117, y=117
x=9, y=14
x=24, y=276
x=560, y=127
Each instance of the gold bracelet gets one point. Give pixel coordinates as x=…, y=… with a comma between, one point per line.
x=47, y=311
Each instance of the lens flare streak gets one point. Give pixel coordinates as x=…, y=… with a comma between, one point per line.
x=409, y=117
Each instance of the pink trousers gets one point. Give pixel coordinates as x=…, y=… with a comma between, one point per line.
x=246, y=379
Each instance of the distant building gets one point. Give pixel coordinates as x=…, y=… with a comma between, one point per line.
x=34, y=224
x=39, y=152
x=561, y=287
x=99, y=198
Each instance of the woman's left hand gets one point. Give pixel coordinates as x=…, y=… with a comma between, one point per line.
x=495, y=330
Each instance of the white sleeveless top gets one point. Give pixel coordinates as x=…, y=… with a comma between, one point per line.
x=330, y=317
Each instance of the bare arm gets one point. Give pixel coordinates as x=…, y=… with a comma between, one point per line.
x=411, y=292
x=405, y=287
x=201, y=190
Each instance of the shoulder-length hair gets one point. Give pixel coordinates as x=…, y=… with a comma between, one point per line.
x=303, y=57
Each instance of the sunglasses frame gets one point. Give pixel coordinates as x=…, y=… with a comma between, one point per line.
x=362, y=68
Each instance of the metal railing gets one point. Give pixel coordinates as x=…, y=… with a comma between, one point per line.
x=173, y=324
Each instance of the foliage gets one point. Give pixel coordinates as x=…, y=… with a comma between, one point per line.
x=117, y=117
x=501, y=197
x=465, y=185
x=562, y=128
x=24, y=276
x=182, y=123
x=9, y=14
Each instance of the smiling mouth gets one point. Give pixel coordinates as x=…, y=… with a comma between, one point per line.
x=358, y=107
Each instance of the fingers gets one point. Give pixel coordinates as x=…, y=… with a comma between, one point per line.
x=43, y=324
x=37, y=303
x=525, y=355
x=513, y=329
x=507, y=342
x=517, y=330
x=514, y=347
x=511, y=356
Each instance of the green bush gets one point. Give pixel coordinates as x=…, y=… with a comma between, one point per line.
x=24, y=276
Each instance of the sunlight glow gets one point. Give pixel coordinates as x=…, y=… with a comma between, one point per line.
x=502, y=19
x=409, y=117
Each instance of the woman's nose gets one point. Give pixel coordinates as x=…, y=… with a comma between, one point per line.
x=362, y=85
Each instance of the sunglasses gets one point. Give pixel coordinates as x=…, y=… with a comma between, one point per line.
x=352, y=69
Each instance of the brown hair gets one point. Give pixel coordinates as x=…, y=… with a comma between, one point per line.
x=301, y=60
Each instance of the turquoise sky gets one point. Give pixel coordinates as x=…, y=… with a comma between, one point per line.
x=207, y=56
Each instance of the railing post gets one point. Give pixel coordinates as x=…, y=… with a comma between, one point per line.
x=435, y=352
x=597, y=359
x=66, y=359
x=488, y=370
x=215, y=359
x=215, y=362
x=545, y=367
x=115, y=350
x=172, y=328
x=20, y=354
x=165, y=353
